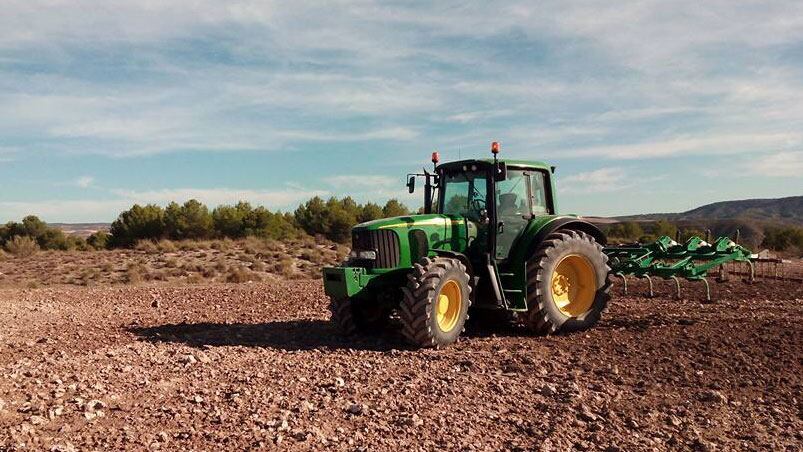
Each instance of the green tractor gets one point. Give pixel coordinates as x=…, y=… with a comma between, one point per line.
x=490, y=239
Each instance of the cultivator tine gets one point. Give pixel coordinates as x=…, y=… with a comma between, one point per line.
x=752, y=273
x=707, y=289
x=677, y=286
x=649, y=281
x=624, y=283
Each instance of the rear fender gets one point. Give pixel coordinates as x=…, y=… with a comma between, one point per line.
x=532, y=239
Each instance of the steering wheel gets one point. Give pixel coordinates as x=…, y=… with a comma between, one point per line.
x=477, y=204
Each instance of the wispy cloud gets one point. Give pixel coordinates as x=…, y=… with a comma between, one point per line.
x=259, y=82
x=84, y=181
x=781, y=164
x=78, y=210
x=281, y=198
x=629, y=83
x=361, y=181
x=692, y=145
x=601, y=180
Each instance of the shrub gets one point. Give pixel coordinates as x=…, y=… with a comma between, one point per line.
x=138, y=223
x=686, y=234
x=191, y=220
x=311, y=255
x=783, y=239
x=628, y=230
x=166, y=246
x=98, y=240
x=370, y=212
x=135, y=273
x=663, y=227
x=394, y=208
x=257, y=265
x=283, y=267
x=241, y=274
x=222, y=245
x=147, y=246
x=22, y=246
x=229, y=221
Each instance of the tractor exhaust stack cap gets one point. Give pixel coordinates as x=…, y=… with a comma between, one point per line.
x=495, y=147
x=436, y=157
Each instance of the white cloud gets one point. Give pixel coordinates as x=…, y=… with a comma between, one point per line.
x=7, y=153
x=84, y=181
x=362, y=181
x=781, y=164
x=85, y=210
x=372, y=71
x=601, y=180
x=721, y=144
x=282, y=198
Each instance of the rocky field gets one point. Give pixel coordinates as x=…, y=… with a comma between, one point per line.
x=219, y=366
x=181, y=262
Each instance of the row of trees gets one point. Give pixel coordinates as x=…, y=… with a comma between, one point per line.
x=333, y=219
x=192, y=220
x=782, y=239
x=750, y=234
x=38, y=235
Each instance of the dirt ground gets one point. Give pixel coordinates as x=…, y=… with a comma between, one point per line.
x=235, y=366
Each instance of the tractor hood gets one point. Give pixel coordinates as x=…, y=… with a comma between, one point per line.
x=412, y=237
x=411, y=221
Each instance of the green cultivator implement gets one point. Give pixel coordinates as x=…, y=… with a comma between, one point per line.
x=491, y=239
x=668, y=259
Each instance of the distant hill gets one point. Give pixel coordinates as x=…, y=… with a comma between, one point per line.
x=781, y=210
x=81, y=229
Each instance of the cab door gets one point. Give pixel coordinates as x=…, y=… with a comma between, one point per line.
x=513, y=202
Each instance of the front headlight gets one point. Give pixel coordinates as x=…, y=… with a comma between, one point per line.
x=364, y=255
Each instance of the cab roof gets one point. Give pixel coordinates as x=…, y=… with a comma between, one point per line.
x=534, y=164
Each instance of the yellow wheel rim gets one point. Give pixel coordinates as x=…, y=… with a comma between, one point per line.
x=574, y=285
x=448, y=305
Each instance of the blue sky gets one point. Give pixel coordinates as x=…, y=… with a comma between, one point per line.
x=644, y=106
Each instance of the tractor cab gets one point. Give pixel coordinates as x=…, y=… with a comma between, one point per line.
x=501, y=206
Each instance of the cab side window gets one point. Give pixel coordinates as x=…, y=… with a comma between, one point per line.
x=511, y=194
x=539, y=193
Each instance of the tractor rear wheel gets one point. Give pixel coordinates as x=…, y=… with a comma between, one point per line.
x=567, y=283
x=350, y=315
x=436, y=301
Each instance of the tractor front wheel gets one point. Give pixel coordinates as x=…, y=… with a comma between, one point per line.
x=350, y=315
x=436, y=301
x=567, y=283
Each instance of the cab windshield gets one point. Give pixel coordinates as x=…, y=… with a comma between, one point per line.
x=464, y=193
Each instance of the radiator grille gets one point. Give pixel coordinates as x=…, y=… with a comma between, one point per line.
x=383, y=241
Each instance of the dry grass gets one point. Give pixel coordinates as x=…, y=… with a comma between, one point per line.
x=241, y=274
x=171, y=262
x=135, y=273
x=20, y=246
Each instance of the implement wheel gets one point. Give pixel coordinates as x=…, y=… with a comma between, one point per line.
x=436, y=301
x=567, y=283
x=351, y=315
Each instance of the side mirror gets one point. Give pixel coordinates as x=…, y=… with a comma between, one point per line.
x=411, y=184
x=500, y=172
